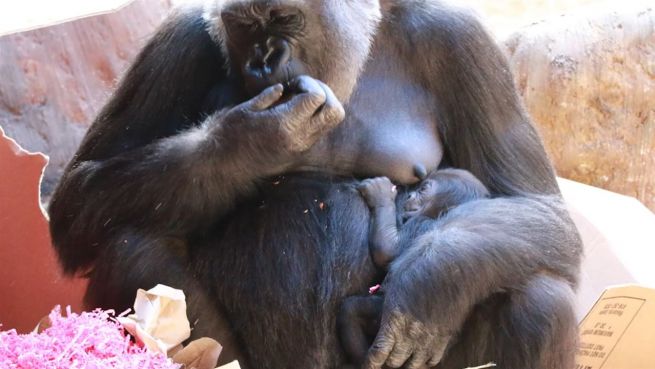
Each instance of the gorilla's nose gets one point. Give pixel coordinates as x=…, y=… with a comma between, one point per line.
x=268, y=62
x=278, y=55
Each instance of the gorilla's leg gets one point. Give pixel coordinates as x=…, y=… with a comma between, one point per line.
x=135, y=261
x=529, y=328
x=358, y=321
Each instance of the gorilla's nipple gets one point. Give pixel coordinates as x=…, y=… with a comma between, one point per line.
x=420, y=172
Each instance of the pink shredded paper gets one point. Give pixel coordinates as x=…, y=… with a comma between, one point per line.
x=90, y=340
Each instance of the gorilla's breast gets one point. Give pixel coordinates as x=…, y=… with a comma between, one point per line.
x=390, y=127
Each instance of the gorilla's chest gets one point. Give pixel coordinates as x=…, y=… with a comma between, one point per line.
x=390, y=127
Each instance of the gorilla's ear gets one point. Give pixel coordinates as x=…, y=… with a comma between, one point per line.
x=163, y=91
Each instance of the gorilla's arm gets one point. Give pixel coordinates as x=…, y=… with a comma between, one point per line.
x=476, y=250
x=486, y=246
x=155, y=162
x=112, y=175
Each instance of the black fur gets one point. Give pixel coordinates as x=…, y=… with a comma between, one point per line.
x=177, y=182
x=393, y=231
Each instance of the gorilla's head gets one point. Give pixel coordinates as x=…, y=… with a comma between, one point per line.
x=273, y=41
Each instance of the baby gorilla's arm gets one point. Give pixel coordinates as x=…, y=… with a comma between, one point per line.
x=380, y=195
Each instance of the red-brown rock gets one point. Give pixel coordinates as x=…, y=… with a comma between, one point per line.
x=55, y=79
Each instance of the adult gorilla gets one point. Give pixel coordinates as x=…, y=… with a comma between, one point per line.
x=216, y=168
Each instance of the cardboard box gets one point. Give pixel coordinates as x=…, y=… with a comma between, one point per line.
x=619, y=331
x=618, y=233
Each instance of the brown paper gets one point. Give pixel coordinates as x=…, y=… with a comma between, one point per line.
x=232, y=365
x=159, y=320
x=619, y=331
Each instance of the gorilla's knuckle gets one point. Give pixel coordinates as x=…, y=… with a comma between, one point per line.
x=399, y=357
x=304, y=79
x=418, y=361
x=334, y=114
x=434, y=360
x=313, y=99
x=395, y=364
x=382, y=345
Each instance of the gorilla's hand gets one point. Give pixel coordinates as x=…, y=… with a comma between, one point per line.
x=311, y=113
x=405, y=340
x=413, y=333
x=298, y=123
x=378, y=192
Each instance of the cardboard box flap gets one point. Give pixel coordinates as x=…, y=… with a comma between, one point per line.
x=619, y=331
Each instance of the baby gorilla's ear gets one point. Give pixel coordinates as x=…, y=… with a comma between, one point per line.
x=420, y=172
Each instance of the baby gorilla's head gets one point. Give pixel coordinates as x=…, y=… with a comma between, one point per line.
x=442, y=190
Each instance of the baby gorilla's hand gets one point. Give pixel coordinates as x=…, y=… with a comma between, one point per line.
x=378, y=192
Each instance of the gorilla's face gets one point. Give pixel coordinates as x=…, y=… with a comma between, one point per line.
x=273, y=41
x=422, y=201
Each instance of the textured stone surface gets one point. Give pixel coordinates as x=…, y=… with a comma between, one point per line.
x=589, y=83
x=55, y=79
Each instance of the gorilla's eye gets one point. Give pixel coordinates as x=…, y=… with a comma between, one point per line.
x=425, y=187
x=240, y=23
x=287, y=19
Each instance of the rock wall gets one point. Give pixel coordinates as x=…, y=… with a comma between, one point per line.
x=589, y=82
x=54, y=80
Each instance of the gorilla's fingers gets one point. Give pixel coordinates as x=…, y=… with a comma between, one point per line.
x=380, y=350
x=439, y=350
x=363, y=186
x=332, y=112
x=310, y=97
x=266, y=98
x=418, y=360
x=401, y=352
x=434, y=361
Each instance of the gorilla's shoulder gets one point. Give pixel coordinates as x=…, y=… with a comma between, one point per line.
x=192, y=22
x=426, y=16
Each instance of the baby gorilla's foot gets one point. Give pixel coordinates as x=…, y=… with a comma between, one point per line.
x=378, y=191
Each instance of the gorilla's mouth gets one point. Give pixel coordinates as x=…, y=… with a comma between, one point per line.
x=410, y=209
x=408, y=214
x=257, y=81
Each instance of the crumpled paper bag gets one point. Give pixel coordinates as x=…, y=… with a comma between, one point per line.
x=232, y=365
x=160, y=320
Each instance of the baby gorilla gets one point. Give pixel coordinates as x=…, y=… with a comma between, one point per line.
x=359, y=317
